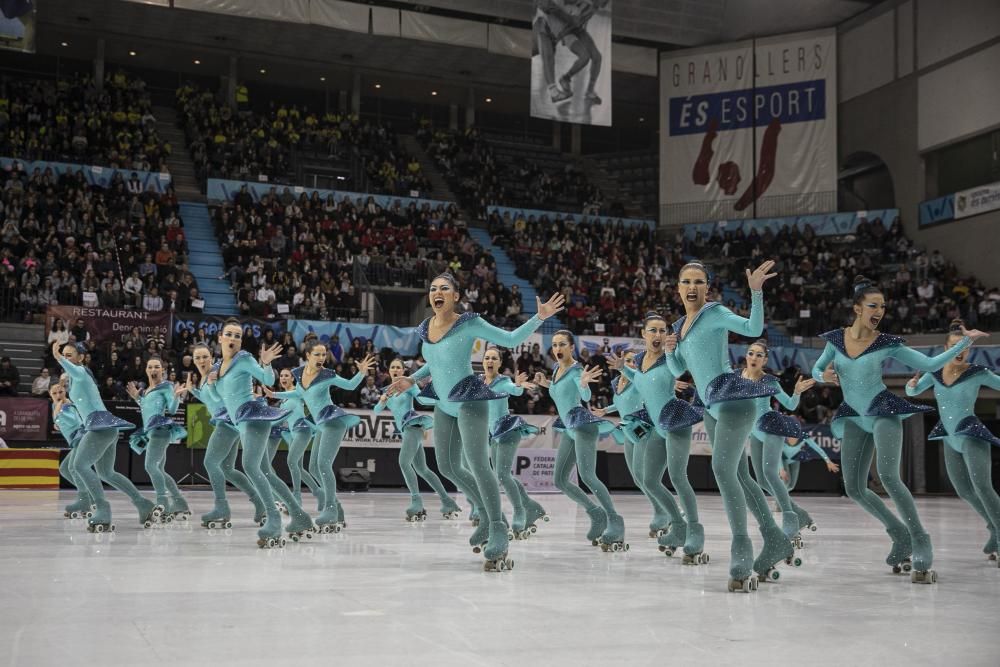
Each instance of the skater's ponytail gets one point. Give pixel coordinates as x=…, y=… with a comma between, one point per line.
x=864, y=287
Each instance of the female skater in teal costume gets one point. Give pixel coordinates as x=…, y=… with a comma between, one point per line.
x=253, y=418
x=297, y=430
x=157, y=405
x=871, y=418
x=699, y=345
x=223, y=447
x=411, y=425
x=506, y=431
x=461, y=414
x=635, y=432
x=670, y=447
x=67, y=421
x=312, y=385
x=768, y=436
x=967, y=454
x=95, y=458
x=569, y=389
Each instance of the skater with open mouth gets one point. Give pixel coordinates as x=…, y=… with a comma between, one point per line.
x=870, y=421
x=461, y=412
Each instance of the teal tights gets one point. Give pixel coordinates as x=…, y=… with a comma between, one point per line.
x=468, y=434
x=504, y=451
x=296, y=453
x=578, y=447
x=969, y=472
x=220, y=463
x=413, y=462
x=156, y=455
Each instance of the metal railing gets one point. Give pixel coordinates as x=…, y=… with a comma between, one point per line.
x=765, y=207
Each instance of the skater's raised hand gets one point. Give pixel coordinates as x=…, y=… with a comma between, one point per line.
x=366, y=364
x=57, y=350
x=550, y=307
x=383, y=397
x=803, y=384
x=267, y=391
x=912, y=384
x=132, y=390
x=760, y=275
x=615, y=361
x=681, y=386
x=600, y=412
x=541, y=380
x=670, y=342
x=832, y=467
x=181, y=388
x=590, y=375
x=521, y=380
x=399, y=385
x=269, y=354
x=830, y=376
x=212, y=377
x=974, y=333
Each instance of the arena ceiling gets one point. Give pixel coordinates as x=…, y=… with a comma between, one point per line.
x=301, y=55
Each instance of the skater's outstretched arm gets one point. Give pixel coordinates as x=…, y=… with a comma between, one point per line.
x=918, y=386
x=819, y=369
x=991, y=380
x=922, y=362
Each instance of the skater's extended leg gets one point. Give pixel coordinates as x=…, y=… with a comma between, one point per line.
x=979, y=462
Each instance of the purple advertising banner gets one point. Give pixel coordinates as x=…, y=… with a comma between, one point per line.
x=112, y=324
x=24, y=419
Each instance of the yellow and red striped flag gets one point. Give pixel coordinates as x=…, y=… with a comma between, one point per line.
x=29, y=468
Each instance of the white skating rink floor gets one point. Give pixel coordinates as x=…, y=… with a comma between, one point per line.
x=385, y=592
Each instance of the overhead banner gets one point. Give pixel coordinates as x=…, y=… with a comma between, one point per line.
x=212, y=324
x=112, y=324
x=17, y=25
x=749, y=129
x=24, y=419
x=571, y=61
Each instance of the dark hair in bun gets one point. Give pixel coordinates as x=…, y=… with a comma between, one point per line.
x=653, y=315
x=447, y=275
x=863, y=287
x=761, y=342
x=696, y=264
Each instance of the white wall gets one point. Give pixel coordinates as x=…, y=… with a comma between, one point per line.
x=865, y=55
x=960, y=99
x=948, y=27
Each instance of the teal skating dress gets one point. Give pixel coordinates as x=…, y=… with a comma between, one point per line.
x=317, y=396
x=704, y=351
x=568, y=396
x=216, y=407
x=655, y=385
x=403, y=414
x=501, y=421
x=449, y=360
x=86, y=397
x=156, y=405
x=635, y=420
x=957, y=405
x=866, y=397
x=235, y=389
x=70, y=424
x=296, y=421
x=772, y=422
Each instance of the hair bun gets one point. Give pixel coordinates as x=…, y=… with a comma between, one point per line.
x=956, y=325
x=651, y=314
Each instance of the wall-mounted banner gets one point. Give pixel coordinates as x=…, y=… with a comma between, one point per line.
x=225, y=190
x=95, y=176
x=404, y=340
x=749, y=129
x=571, y=61
x=974, y=201
x=112, y=324
x=24, y=419
x=827, y=224
x=212, y=324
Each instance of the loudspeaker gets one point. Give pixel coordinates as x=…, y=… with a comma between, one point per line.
x=354, y=479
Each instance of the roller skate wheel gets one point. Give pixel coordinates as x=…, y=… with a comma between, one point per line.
x=534, y=529
x=668, y=551
x=907, y=566
x=992, y=556
x=927, y=577
x=794, y=562
x=147, y=524
x=476, y=549
x=652, y=533
x=812, y=527
x=594, y=543
x=89, y=514
x=510, y=535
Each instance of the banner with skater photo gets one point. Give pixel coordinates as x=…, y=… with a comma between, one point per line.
x=18, y=25
x=749, y=129
x=571, y=61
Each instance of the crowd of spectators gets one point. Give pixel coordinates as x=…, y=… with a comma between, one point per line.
x=71, y=120
x=66, y=242
x=309, y=253
x=483, y=174
x=245, y=144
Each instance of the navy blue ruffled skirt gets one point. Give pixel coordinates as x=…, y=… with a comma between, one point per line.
x=303, y=424
x=735, y=387
x=103, y=420
x=427, y=395
x=220, y=418
x=75, y=437
x=279, y=431
x=158, y=424
x=885, y=404
x=678, y=415
x=472, y=388
x=332, y=413
x=970, y=427
x=510, y=424
x=775, y=423
x=580, y=416
x=259, y=411
x=420, y=420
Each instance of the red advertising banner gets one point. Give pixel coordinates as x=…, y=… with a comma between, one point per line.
x=112, y=324
x=24, y=419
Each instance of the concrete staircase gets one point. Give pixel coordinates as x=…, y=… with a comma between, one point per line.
x=205, y=259
x=442, y=190
x=25, y=345
x=610, y=187
x=181, y=170
x=507, y=276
